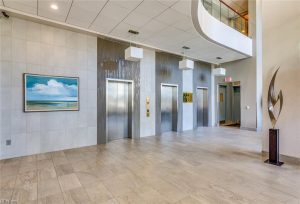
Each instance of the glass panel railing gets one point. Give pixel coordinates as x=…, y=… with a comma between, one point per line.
x=227, y=15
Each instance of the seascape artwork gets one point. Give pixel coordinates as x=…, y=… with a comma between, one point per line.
x=50, y=93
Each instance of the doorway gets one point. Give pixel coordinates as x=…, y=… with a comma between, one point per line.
x=119, y=106
x=237, y=105
x=169, y=107
x=222, y=104
x=229, y=104
x=202, y=107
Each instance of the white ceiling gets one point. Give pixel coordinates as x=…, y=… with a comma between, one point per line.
x=164, y=24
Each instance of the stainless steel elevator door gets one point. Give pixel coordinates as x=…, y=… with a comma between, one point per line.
x=236, y=104
x=222, y=103
x=119, y=110
x=168, y=108
x=202, y=107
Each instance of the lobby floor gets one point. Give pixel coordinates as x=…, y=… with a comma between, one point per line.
x=210, y=165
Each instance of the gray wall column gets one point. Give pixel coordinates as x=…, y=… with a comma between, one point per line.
x=112, y=64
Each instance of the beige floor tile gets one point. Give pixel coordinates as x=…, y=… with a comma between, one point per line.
x=64, y=169
x=26, y=178
x=8, y=182
x=87, y=178
x=80, y=165
x=150, y=195
x=26, y=193
x=208, y=165
x=77, y=195
x=46, y=173
x=48, y=187
x=28, y=166
x=45, y=164
x=9, y=171
x=6, y=194
x=98, y=193
x=69, y=181
x=60, y=161
x=188, y=200
x=31, y=158
x=44, y=156
x=118, y=187
x=111, y=201
x=52, y=199
x=130, y=198
x=58, y=154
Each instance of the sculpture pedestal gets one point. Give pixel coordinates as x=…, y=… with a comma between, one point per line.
x=274, y=148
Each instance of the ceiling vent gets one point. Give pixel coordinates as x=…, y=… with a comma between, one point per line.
x=134, y=53
x=219, y=71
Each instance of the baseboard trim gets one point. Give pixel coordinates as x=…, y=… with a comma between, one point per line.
x=284, y=158
x=247, y=128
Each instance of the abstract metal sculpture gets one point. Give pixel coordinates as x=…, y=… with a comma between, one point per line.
x=274, y=153
x=272, y=101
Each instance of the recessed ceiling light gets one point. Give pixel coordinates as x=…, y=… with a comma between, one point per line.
x=54, y=6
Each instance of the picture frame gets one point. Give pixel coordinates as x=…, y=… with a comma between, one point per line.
x=48, y=93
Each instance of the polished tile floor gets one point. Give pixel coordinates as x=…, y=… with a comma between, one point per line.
x=210, y=165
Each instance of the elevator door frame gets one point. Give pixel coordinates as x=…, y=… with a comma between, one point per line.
x=170, y=85
x=207, y=98
x=132, y=104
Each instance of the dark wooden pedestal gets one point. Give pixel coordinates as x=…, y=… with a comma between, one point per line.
x=274, y=148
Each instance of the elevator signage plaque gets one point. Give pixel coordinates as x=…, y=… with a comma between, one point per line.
x=187, y=97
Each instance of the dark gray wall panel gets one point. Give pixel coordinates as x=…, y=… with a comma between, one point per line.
x=167, y=71
x=111, y=63
x=202, y=78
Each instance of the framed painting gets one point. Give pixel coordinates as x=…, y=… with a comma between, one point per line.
x=50, y=93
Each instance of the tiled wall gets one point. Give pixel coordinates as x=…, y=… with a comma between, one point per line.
x=29, y=47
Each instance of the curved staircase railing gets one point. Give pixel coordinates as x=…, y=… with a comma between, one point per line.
x=226, y=14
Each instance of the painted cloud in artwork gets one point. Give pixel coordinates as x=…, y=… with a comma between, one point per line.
x=54, y=90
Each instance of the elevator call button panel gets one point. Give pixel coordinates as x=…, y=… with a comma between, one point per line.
x=187, y=97
x=148, y=107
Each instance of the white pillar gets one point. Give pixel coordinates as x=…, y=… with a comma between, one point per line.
x=187, y=108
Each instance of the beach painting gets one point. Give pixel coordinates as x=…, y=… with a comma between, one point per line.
x=50, y=93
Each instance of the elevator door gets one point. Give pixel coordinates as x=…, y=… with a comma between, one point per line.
x=168, y=108
x=222, y=103
x=119, y=110
x=202, y=107
x=236, y=104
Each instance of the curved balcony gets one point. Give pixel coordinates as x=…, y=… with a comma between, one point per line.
x=215, y=21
